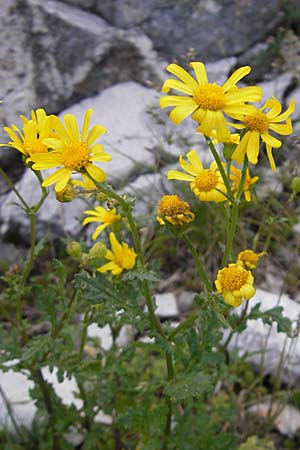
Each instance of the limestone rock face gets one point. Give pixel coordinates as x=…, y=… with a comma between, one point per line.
x=77, y=54
x=213, y=28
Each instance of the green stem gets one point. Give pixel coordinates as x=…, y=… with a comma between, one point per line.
x=220, y=166
x=84, y=332
x=239, y=322
x=233, y=225
x=46, y=394
x=198, y=263
x=153, y=319
x=136, y=240
x=234, y=215
x=183, y=325
x=12, y=186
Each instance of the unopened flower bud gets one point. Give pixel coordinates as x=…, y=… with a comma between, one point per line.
x=101, y=197
x=228, y=150
x=98, y=250
x=67, y=194
x=295, y=185
x=74, y=249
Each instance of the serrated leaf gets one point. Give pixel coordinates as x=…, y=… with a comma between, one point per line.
x=97, y=289
x=284, y=324
x=191, y=385
x=141, y=276
x=40, y=246
x=59, y=270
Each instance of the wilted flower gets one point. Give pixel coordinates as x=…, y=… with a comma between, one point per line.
x=173, y=210
x=249, y=259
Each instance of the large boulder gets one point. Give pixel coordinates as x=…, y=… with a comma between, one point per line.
x=213, y=28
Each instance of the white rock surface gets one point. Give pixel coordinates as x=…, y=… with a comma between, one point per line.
x=263, y=341
x=166, y=305
x=287, y=418
x=16, y=387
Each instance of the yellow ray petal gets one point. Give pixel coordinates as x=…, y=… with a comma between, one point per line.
x=200, y=72
x=179, y=113
x=72, y=127
x=270, y=156
x=178, y=85
x=236, y=77
x=271, y=140
x=183, y=75
x=175, y=100
x=54, y=177
x=195, y=160
x=95, y=172
x=95, y=133
x=86, y=123
x=177, y=175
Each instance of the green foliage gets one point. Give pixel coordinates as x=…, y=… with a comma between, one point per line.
x=253, y=443
x=284, y=324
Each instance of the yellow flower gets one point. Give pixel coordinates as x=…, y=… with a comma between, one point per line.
x=205, y=183
x=102, y=215
x=121, y=257
x=207, y=101
x=235, y=175
x=72, y=150
x=29, y=141
x=249, y=259
x=235, y=283
x=173, y=210
x=85, y=183
x=258, y=124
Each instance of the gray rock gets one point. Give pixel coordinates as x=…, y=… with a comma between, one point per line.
x=185, y=300
x=176, y=26
x=54, y=218
x=77, y=54
x=16, y=72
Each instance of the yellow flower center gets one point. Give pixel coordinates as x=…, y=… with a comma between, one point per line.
x=110, y=216
x=206, y=180
x=119, y=260
x=211, y=96
x=75, y=155
x=171, y=205
x=259, y=122
x=34, y=146
x=233, y=278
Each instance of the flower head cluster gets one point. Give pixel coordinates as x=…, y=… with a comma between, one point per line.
x=30, y=139
x=236, y=175
x=72, y=151
x=235, y=283
x=120, y=257
x=173, y=210
x=249, y=259
x=207, y=184
x=258, y=124
x=105, y=216
x=207, y=102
